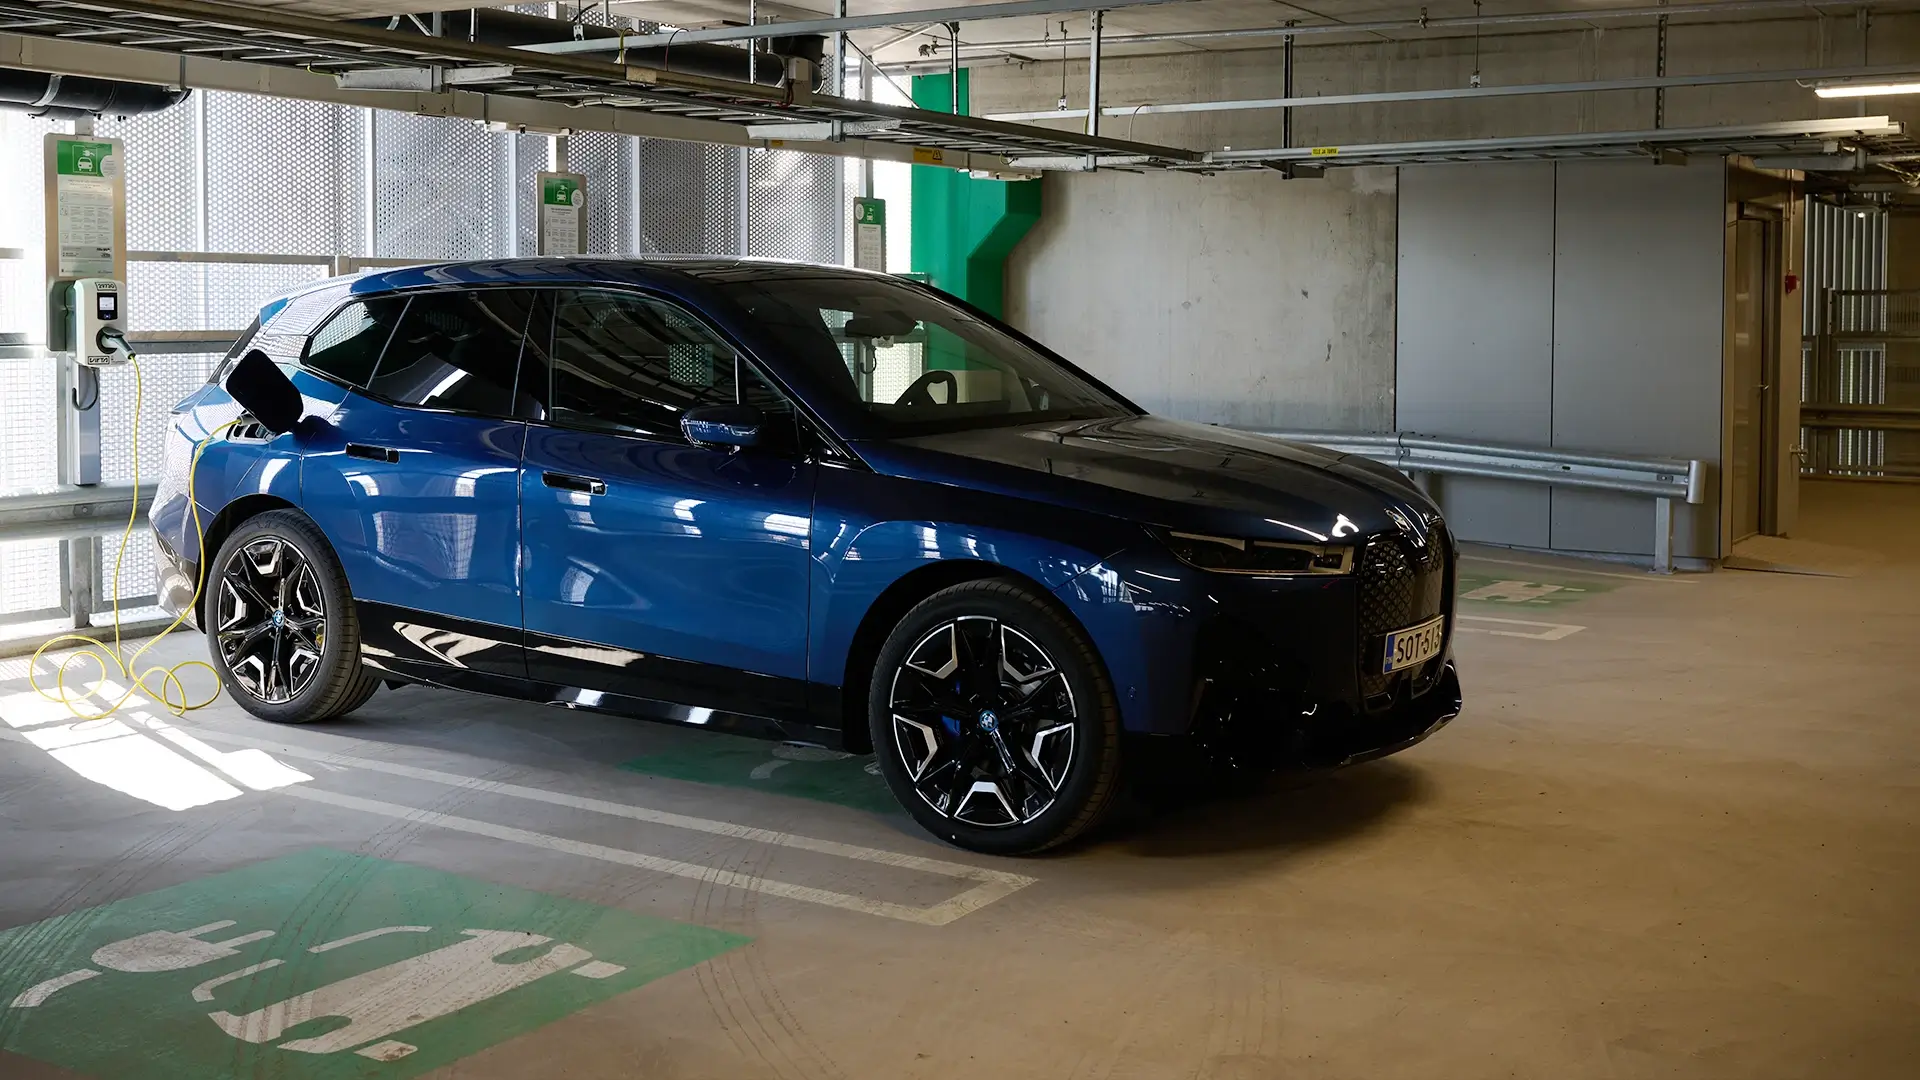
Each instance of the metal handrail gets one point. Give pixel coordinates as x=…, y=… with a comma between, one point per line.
x=1663, y=479
x=68, y=511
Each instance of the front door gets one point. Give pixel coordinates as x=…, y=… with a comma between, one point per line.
x=416, y=480
x=656, y=568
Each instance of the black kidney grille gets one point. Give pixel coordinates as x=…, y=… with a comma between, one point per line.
x=1400, y=585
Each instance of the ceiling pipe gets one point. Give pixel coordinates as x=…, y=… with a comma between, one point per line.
x=1421, y=24
x=1736, y=78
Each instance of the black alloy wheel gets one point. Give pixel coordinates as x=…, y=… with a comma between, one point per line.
x=270, y=622
x=280, y=622
x=993, y=720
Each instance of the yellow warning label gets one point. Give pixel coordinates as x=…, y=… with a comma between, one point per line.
x=1325, y=151
x=928, y=155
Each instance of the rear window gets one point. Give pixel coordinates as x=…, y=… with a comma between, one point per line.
x=347, y=346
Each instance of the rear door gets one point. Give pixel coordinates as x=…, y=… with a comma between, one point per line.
x=654, y=567
x=416, y=477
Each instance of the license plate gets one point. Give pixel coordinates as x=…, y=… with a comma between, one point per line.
x=1414, y=646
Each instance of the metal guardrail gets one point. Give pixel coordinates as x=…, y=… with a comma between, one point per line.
x=1421, y=456
x=63, y=513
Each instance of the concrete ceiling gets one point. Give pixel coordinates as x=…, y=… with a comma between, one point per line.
x=1159, y=18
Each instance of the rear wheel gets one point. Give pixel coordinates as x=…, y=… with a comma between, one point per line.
x=281, y=626
x=993, y=720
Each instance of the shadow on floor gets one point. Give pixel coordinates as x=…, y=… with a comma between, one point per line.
x=1286, y=812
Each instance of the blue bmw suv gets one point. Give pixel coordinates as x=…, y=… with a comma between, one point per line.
x=803, y=502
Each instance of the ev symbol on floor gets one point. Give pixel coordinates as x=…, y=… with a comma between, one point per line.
x=334, y=964
x=374, y=1004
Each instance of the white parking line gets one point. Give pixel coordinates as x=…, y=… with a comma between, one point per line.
x=1548, y=631
x=992, y=884
x=1648, y=576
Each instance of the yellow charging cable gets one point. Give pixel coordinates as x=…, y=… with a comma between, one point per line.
x=172, y=692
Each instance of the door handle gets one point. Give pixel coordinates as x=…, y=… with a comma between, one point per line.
x=570, y=482
x=374, y=453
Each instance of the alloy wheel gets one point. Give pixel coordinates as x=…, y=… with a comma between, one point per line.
x=270, y=619
x=984, y=722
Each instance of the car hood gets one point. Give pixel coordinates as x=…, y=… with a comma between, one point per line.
x=1165, y=472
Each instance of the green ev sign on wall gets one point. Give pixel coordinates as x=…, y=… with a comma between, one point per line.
x=319, y=965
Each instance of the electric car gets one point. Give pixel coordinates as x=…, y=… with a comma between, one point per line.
x=802, y=502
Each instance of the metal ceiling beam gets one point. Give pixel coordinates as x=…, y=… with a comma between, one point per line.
x=1649, y=82
x=1012, y=9
x=336, y=48
x=1452, y=22
x=1702, y=140
x=69, y=57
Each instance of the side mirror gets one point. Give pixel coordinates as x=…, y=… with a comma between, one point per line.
x=262, y=389
x=721, y=425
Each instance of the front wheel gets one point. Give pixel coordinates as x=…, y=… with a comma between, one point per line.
x=994, y=721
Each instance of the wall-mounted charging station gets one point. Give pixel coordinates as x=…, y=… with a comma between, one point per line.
x=86, y=271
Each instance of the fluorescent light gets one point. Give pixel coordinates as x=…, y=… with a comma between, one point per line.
x=1840, y=89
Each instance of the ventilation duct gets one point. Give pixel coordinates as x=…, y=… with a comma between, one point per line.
x=509, y=29
x=66, y=97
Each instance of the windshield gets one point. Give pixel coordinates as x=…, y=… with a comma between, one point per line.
x=916, y=364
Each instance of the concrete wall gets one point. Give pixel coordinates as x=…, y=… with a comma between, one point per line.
x=1235, y=299
x=1574, y=305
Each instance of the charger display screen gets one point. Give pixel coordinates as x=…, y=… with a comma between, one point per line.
x=106, y=306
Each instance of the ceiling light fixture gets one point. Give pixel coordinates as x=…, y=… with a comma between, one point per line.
x=1877, y=86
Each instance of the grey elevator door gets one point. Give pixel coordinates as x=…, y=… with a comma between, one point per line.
x=1747, y=360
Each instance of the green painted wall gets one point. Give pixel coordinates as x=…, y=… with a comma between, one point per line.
x=963, y=228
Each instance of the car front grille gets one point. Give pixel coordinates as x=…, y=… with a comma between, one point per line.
x=1402, y=583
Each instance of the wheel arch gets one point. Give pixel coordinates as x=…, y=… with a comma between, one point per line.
x=892, y=605
x=231, y=517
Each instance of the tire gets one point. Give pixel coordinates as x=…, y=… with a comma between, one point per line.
x=281, y=629
x=994, y=721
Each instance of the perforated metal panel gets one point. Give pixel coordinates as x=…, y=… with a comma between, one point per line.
x=794, y=206
x=27, y=457
x=165, y=379
x=532, y=154
x=606, y=160
x=23, y=305
x=31, y=584
x=163, y=177
x=138, y=581
x=286, y=177
x=439, y=189
x=689, y=198
x=207, y=296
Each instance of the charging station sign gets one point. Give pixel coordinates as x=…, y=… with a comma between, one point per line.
x=870, y=234
x=563, y=201
x=86, y=207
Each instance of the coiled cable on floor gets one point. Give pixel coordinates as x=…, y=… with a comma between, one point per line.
x=171, y=692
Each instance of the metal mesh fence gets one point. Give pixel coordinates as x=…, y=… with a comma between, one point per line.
x=23, y=303
x=437, y=191
x=163, y=177
x=31, y=585
x=689, y=198
x=165, y=378
x=532, y=155
x=793, y=206
x=607, y=161
x=285, y=177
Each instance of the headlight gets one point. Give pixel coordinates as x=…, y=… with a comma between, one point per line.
x=1232, y=555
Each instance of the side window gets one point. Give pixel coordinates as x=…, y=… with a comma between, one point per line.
x=347, y=346
x=456, y=350
x=632, y=364
x=781, y=431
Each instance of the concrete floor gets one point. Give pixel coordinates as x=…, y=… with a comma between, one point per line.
x=1677, y=841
